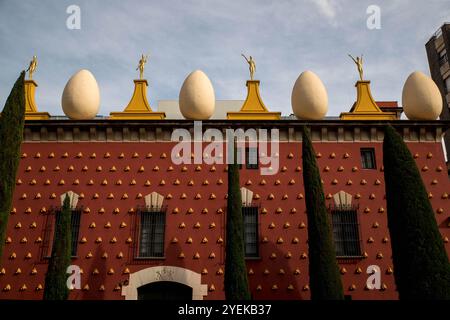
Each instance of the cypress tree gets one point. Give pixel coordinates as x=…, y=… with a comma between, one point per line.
x=11, y=135
x=235, y=280
x=421, y=265
x=56, y=277
x=324, y=278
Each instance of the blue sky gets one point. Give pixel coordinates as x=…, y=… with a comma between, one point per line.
x=285, y=38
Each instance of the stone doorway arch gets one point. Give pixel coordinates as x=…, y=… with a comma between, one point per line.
x=165, y=273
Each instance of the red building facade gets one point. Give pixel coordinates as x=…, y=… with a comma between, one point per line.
x=113, y=165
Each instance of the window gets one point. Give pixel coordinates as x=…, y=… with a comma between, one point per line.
x=346, y=231
x=368, y=158
x=251, y=158
x=151, y=235
x=250, y=215
x=74, y=228
x=239, y=157
x=443, y=57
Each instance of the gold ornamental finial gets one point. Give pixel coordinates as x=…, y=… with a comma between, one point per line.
x=359, y=63
x=251, y=65
x=141, y=65
x=365, y=107
x=138, y=107
x=31, y=110
x=32, y=67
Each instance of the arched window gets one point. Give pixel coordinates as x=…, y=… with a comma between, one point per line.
x=52, y=218
x=151, y=227
x=344, y=218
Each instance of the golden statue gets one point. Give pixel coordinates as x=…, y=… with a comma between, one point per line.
x=32, y=67
x=251, y=65
x=141, y=65
x=359, y=64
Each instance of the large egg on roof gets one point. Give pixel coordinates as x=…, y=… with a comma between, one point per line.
x=309, y=97
x=197, y=99
x=81, y=96
x=421, y=97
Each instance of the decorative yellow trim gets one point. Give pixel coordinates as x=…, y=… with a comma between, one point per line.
x=365, y=107
x=137, y=115
x=138, y=107
x=253, y=103
x=31, y=112
x=30, y=87
x=253, y=116
x=253, y=107
x=369, y=116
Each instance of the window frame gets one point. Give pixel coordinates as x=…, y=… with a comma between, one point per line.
x=442, y=57
x=246, y=157
x=356, y=242
x=248, y=165
x=238, y=156
x=370, y=150
x=253, y=255
x=49, y=230
x=138, y=233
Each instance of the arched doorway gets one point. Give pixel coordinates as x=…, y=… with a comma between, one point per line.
x=165, y=290
x=174, y=275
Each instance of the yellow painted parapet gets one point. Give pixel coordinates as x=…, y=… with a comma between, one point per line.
x=30, y=89
x=253, y=107
x=365, y=107
x=138, y=107
x=31, y=112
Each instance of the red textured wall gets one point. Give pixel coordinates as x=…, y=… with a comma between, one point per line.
x=271, y=285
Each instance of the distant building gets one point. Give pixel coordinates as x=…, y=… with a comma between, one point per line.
x=438, y=49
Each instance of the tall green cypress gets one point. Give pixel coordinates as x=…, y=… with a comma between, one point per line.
x=11, y=135
x=236, y=281
x=324, y=278
x=421, y=265
x=56, y=277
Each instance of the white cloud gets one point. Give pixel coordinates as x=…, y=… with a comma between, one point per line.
x=326, y=8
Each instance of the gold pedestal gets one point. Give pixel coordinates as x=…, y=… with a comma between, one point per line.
x=365, y=107
x=137, y=115
x=138, y=107
x=253, y=107
x=31, y=112
x=254, y=115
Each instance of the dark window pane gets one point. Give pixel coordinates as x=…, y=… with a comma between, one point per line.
x=240, y=159
x=251, y=158
x=443, y=57
x=250, y=215
x=368, y=158
x=74, y=227
x=152, y=228
x=346, y=232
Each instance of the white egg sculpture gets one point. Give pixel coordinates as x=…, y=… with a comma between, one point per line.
x=421, y=98
x=309, y=97
x=81, y=96
x=197, y=99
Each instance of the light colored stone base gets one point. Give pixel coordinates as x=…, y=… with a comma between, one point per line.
x=165, y=273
